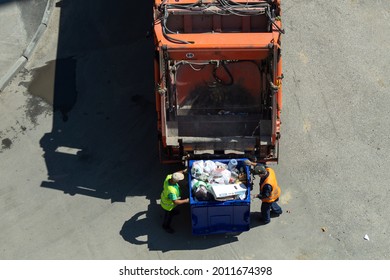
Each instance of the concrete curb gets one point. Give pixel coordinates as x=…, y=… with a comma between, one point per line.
x=21, y=62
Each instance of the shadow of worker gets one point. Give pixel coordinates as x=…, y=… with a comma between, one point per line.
x=135, y=229
x=145, y=227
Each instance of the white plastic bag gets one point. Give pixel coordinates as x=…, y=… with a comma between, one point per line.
x=209, y=166
x=194, y=184
x=221, y=165
x=197, y=169
x=226, y=174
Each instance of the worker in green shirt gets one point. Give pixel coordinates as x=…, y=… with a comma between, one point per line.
x=171, y=197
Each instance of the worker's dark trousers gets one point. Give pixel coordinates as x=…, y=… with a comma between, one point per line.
x=266, y=210
x=168, y=217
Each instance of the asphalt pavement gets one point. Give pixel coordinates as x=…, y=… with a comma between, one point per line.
x=22, y=24
x=80, y=176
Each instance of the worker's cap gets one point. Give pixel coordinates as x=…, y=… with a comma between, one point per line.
x=260, y=170
x=177, y=176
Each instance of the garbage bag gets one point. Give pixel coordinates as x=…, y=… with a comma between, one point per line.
x=201, y=193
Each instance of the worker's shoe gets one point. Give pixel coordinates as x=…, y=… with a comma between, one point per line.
x=274, y=215
x=168, y=229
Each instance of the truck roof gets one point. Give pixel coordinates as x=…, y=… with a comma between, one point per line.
x=214, y=25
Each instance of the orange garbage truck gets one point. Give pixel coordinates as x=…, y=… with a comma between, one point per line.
x=218, y=77
x=218, y=83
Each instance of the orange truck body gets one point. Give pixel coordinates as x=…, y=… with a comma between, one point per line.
x=218, y=79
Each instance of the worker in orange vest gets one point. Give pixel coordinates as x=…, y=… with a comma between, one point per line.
x=269, y=193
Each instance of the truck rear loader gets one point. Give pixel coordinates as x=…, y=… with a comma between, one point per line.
x=218, y=79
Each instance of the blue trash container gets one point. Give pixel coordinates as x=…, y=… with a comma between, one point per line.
x=213, y=217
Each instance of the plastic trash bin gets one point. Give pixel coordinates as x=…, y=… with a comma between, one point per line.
x=213, y=217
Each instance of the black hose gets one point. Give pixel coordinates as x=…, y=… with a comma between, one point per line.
x=220, y=80
x=274, y=24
